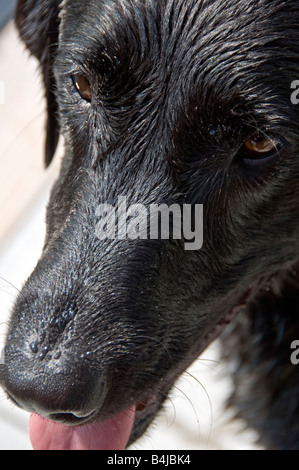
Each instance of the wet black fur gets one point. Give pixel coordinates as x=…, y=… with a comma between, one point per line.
x=177, y=87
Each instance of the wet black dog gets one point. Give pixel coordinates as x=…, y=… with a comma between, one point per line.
x=162, y=102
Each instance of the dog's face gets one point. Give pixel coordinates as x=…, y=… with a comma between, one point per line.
x=161, y=102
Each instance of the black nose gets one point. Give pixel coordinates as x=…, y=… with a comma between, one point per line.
x=65, y=391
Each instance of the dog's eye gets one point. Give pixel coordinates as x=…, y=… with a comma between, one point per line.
x=260, y=148
x=83, y=87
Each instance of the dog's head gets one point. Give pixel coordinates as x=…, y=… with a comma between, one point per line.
x=160, y=102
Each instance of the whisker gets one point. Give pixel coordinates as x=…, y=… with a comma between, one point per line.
x=10, y=284
x=210, y=404
x=23, y=130
x=189, y=401
x=14, y=287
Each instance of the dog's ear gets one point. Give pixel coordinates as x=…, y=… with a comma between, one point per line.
x=38, y=24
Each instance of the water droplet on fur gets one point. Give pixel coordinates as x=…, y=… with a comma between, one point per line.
x=43, y=352
x=34, y=347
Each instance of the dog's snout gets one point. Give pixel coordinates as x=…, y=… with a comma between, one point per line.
x=65, y=392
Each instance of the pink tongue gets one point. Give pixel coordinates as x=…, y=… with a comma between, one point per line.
x=112, y=434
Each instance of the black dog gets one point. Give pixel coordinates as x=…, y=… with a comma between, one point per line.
x=162, y=102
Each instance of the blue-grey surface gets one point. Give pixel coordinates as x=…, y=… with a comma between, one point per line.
x=7, y=9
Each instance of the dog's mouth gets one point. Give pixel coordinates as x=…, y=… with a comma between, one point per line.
x=115, y=433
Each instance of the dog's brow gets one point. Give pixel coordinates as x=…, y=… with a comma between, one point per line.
x=163, y=41
x=110, y=28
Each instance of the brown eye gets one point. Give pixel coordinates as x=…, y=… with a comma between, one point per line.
x=261, y=148
x=83, y=87
x=260, y=145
